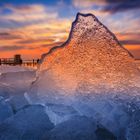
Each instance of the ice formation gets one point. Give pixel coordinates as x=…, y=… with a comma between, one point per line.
x=30, y=123
x=92, y=73
x=7, y=68
x=91, y=61
x=77, y=128
x=5, y=110
x=19, y=80
x=6, y=90
x=88, y=88
x=13, y=84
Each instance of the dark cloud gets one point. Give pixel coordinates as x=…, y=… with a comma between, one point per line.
x=130, y=38
x=7, y=36
x=52, y=44
x=30, y=41
x=130, y=42
x=121, y=5
x=11, y=48
x=130, y=34
x=136, y=53
x=4, y=34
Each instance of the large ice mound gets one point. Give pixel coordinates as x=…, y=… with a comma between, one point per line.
x=91, y=61
x=90, y=75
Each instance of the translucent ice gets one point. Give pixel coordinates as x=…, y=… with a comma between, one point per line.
x=91, y=61
x=77, y=128
x=93, y=74
x=30, y=123
x=5, y=110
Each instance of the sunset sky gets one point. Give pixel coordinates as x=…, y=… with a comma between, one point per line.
x=31, y=27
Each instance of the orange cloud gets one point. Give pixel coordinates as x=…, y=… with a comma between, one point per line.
x=37, y=38
x=38, y=28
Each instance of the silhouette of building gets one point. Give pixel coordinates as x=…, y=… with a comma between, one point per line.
x=17, y=59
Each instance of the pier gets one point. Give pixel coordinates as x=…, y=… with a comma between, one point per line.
x=17, y=60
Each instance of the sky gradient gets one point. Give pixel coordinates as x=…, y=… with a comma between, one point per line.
x=32, y=27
